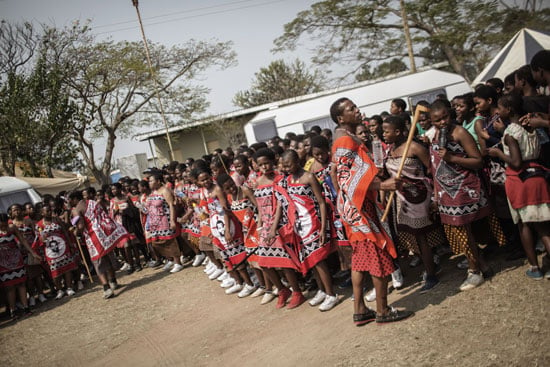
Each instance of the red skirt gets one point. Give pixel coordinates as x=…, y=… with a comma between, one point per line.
x=368, y=257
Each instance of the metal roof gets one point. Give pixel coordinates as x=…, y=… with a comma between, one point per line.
x=277, y=104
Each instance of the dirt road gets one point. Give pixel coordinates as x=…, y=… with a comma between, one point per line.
x=158, y=319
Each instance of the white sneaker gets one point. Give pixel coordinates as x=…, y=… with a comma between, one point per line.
x=246, y=291
x=371, y=296
x=108, y=293
x=70, y=292
x=205, y=261
x=60, y=294
x=42, y=298
x=176, y=268
x=268, y=297
x=168, y=266
x=318, y=298
x=328, y=303
x=125, y=267
x=210, y=267
x=216, y=273
x=472, y=281
x=222, y=277
x=226, y=283
x=397, y=279
x=258, y=292
x=198, y=259
x=79, y=285
x=32, y=301
x=234, y=289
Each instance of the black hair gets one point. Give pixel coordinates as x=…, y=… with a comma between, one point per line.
x=524, y=73
x=277, y=150
x=91, y=190
x=159, y=176
x=77, y=194
x=397, y=122
x=11, y=208
x=316, y=129
x=487, y=92
x=290, y=154
x=264, y=152
x=289, y=135
x=468, y=100
x=514, y=102
x=222, y=179
x=117, y=185
x=440, y=104
x=336, y=110
x=197, y=171
x=181, y=167
x=496, y=83
x=257, y=146
x=242, y=158
x=400, y=103
x=320, y=142
x=378, y=118
x=327, y=131
x=143, y=183
x=511, y=78
x=4, y=218
x=541, y=60
x=200, y=163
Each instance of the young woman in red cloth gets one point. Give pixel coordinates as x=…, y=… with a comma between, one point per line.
x=373, y=248
x=123, y=211
x=12, y=266
x=25, y=225
x=526, y=183
x=243, y=206
x=312, y=227
x=59, y=251
x=161, y=223
x=277, y=245
x=227, y=235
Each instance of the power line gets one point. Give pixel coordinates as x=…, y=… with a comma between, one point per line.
x=194, y=16
x=173, y=13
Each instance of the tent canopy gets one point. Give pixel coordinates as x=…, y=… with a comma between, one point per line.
x=517, y=52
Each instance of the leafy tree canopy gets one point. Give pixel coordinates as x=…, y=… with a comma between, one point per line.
x=465, y=33
x=278, y=81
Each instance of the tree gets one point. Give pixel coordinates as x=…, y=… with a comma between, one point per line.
x=279, y=81
x=111, y=84
x=36, y=117
x=464, y=33
x=384, y=69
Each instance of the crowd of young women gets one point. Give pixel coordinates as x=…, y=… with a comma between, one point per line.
x=265, y=221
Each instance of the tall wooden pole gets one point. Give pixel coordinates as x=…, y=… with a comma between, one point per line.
x=135, y=3
x=407, y=35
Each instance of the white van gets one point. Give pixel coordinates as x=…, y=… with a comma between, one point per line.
x=14, y=190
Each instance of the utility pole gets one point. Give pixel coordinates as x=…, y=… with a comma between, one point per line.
x=407, y=35
x=135, y=3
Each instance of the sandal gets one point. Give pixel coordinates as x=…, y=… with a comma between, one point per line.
x=360, y=319
x=393, y=315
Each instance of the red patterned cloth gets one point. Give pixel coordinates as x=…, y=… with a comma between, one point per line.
x=102, y=233
x=356, y=204
x=12, y=266
x=59, y=252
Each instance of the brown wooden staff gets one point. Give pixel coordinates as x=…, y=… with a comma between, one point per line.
x=84, y=259
x=417, y=112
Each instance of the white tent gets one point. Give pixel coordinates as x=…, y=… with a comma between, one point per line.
x=517, y=52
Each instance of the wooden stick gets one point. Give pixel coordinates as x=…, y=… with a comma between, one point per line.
x=84, y=260
x=417, y=112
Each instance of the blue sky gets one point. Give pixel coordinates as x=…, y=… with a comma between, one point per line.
x=252, y=25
